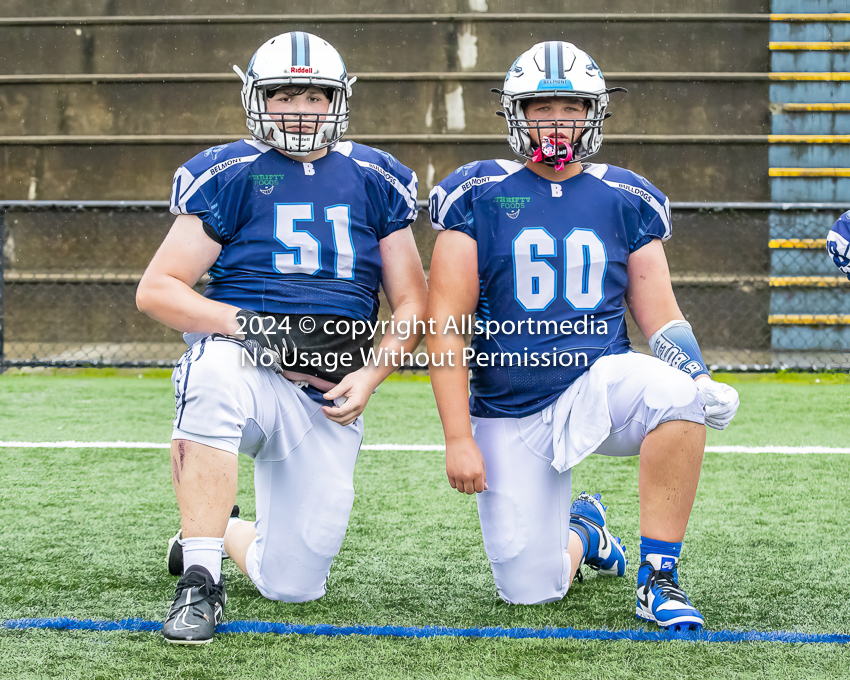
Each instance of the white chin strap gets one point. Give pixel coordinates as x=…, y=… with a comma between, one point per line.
x=293, y=143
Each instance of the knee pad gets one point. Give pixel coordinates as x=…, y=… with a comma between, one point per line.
x=672, y=395
x=525, y=579
x=526, y=571
x=322, y=523
x=281, y=580
x=501, y=526
x=285, y=592
x=292, y=565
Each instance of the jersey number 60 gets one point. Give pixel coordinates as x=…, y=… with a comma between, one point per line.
x=536, y=281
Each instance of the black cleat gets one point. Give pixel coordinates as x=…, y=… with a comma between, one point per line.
x=197, y=609
x=174, y=555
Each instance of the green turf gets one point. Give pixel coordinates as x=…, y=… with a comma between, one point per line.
x=84, y=532
x=402, y=412
x=113, y=656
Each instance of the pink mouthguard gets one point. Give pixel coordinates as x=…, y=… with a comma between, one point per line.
x=549, y=148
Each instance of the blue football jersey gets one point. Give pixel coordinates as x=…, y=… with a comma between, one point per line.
x=838, y=243
x=552, y=266
x=297, y=237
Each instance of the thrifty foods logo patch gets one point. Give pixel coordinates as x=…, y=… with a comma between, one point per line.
x=266, y=180
x=266, y=183
x=511, y=202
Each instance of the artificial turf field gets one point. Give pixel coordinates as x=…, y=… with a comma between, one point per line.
x=84, y=533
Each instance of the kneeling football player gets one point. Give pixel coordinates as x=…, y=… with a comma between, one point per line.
x=297, y=230
x=544, y=253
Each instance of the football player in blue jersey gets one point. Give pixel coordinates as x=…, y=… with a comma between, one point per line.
x=297, y=230
x=838, y=243
x=545, y=254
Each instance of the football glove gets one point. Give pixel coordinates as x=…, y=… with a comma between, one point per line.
x=721, y=402
x=264, y=336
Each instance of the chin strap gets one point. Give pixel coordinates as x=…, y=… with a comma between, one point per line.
x=559, y=150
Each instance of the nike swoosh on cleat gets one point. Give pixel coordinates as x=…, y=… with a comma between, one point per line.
x=186, y=624
x=599, y=530
x=602, y=534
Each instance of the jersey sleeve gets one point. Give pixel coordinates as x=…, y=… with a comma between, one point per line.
x=838, y=243
x=197, y=188
x=448, y=211
x=396, y=187
x=194, y=194
x=654, y=209
x=651, y=208
x=450, y=201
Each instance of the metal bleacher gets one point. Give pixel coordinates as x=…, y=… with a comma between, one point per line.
x=810, y=95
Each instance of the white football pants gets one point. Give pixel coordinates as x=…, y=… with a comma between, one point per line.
x=303, y=462
x=525, y=513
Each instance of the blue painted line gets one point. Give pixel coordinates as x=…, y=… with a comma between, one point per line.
x=142, y=625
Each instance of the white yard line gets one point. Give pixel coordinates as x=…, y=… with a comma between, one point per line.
x=402, y=447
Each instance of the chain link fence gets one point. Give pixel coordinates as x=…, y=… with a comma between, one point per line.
x=753, y=279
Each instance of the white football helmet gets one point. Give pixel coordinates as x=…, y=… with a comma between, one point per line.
x=555, y=69
x=305, y=60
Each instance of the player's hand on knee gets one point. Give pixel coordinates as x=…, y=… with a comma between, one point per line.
x=264, y=337
x=355, y=389
x=721, y=402
x=465, y=466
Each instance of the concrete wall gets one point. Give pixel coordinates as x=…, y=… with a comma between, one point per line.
x=428, y=100
x=70, y=8
x=622, y=45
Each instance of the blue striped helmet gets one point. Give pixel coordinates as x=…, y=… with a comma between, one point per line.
x=554, y=69
x=305, y=60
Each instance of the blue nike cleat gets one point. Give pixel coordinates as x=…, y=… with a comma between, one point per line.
x=661, y=599
x=605, y=553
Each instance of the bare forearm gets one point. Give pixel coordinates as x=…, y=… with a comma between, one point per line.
x=650, y=294
x=173, y=303
x=450, y=383
x=393, y=346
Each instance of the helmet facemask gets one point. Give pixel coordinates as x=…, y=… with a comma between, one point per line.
x=554, y=147
x=555, y=69
x=299, y=60
x=324, y=128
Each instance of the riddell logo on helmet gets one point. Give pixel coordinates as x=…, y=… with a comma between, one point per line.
x=301, y=69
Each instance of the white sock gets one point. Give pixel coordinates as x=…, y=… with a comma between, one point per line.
x=232, y=521
x=204, y=552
